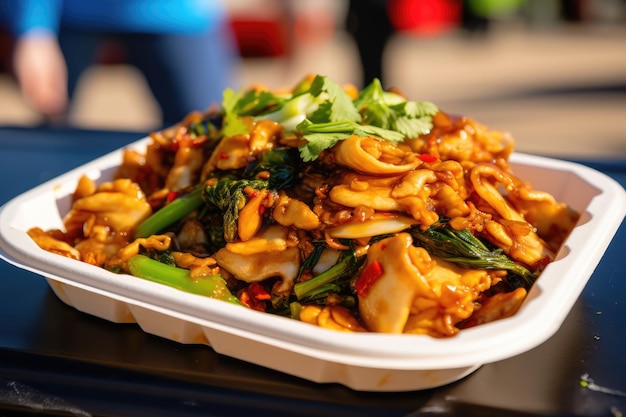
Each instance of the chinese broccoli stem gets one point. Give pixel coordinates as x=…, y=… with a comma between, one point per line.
x=294, y=310
x=170, y=213
x=212, y=286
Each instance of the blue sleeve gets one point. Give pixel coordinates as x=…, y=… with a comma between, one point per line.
x=147, y=16
x=34, y=16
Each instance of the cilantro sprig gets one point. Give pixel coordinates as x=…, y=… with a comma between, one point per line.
x=322, y=113
x=391, y=111
x=322, y=136
x=335, y=105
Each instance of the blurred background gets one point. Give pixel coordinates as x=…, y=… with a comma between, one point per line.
x=552, y=72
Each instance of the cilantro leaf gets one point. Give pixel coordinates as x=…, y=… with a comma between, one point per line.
x=241, y=104
x=387, y=134
x=233, y=124
x=323, y=101
x=372, y=93
x=413, y=118
x=255, y=102
x=321, y=136
x=337, y=106
x=317, y=143
x=391, y=111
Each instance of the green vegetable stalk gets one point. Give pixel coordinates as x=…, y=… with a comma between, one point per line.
x=212, y=286
x=170, y=213
x=333, y=280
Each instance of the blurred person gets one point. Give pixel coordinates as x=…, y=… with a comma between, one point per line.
x=370, y=26
x=184, y=49
x=471, y=21
x=373, y=23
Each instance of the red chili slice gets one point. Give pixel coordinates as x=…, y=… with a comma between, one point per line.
x=258, y=292
x=253, y=299
x=426, y=157
x=172, y=195
x=368, y=277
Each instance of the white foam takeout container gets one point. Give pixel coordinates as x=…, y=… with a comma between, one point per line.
x=368, y=362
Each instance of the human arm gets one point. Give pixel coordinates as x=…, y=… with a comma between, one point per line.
x=38, y=60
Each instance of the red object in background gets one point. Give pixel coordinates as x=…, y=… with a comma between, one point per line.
x=272, y=34
x=424, y=17
x=260, y=38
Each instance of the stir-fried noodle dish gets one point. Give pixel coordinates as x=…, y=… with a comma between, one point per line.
x=353, y=210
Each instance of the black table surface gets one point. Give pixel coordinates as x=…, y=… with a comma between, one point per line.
x=55, y=360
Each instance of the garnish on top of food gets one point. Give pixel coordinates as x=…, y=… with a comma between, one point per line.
x=351, y=210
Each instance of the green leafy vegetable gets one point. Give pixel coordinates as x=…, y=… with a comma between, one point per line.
x=336, y=106
x=333, y=280
x=209, y=126
x=237, y=105
x=324, y=101
x=227, y=195
x=413, y=118
x=323, y=114
x=385, y=115
x=255, y=102
x=233, y=123
x=466, y=250
x=322, y=136
x=282, y=165
x=391, y=111
x=164, y=256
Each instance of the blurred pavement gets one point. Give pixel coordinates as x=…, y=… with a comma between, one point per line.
x=560, y=90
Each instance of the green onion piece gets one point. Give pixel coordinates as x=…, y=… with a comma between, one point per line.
x=170, y=213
